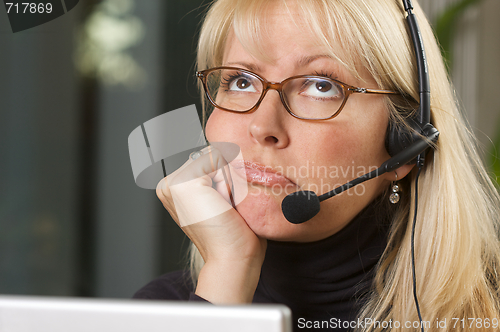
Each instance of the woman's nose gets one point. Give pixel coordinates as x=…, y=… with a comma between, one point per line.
x=268, y=125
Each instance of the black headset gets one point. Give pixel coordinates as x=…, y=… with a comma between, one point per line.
x=398, y=139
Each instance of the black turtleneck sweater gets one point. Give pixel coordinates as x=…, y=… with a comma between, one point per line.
x=326, y=280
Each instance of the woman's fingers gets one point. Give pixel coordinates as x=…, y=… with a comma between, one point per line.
x=204, y=188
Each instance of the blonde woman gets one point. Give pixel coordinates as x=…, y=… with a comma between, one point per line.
x=350, y=266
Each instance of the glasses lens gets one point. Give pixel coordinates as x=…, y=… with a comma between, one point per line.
x=313, y=97
x=234, y=89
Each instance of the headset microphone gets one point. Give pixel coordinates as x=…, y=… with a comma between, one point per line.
x=300, y=206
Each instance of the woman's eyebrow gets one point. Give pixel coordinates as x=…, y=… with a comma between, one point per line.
x=332, y=65
x=300, y=63
x=247, y=65
x=305, y=60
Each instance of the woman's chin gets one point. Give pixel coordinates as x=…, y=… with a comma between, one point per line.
x=262, y=212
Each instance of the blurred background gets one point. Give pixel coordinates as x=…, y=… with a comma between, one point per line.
x=72, y=220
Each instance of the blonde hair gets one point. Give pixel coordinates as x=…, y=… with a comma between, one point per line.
x=457, y=251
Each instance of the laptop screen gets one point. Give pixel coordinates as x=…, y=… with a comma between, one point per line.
x=49, y=314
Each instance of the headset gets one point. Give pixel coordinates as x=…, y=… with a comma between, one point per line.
x=405, y=144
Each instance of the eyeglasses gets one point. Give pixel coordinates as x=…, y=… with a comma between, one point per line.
x=307, y=97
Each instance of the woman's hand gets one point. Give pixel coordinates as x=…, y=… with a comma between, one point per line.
x=198, y=196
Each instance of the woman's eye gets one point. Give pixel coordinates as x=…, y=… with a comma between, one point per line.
x=241, y=84
x=321, y=89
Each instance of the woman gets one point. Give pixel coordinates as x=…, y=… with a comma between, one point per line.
x=353, y=259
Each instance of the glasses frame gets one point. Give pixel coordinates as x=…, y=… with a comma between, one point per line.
x=278, y=86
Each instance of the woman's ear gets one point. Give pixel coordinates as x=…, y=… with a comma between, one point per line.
x=401, y=173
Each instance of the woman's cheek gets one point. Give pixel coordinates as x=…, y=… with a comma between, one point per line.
x=223, y=126
x=211, y=127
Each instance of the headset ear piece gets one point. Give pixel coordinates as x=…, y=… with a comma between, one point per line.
x=391, y=139
x=401, y=136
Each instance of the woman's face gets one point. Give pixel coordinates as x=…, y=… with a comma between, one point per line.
x=284, y=154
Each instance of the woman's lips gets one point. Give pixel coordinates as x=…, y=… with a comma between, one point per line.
x=256, y=173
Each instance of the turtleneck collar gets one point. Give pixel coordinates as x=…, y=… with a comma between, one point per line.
x=326, y=277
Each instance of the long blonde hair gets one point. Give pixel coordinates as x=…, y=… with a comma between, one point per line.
x=457, y=248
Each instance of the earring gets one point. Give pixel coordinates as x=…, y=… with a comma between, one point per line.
x=394, y=197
